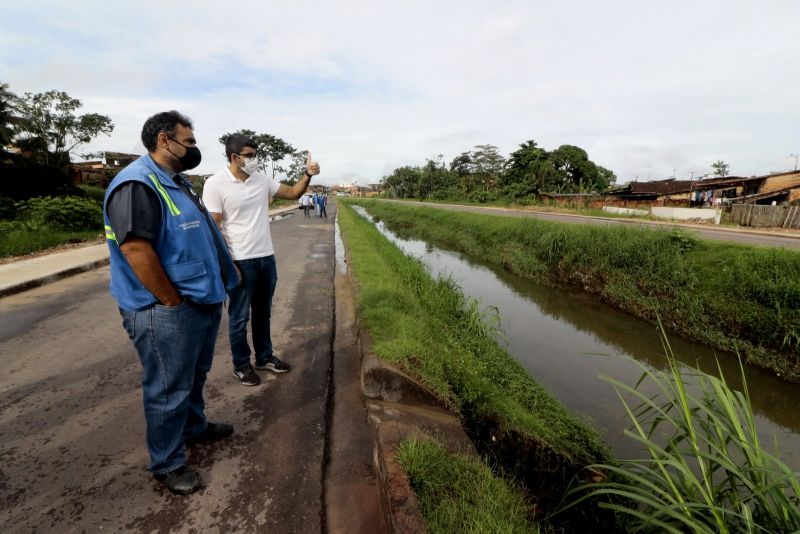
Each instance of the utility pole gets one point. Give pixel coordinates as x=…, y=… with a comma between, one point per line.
x=795, y=160
x=673, y=173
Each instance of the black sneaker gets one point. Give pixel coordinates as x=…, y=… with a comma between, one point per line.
x=180, y=481
x=275, y=365
x=247, y=376
x=212, y=432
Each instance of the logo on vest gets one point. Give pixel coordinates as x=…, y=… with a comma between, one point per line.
x=190, y=225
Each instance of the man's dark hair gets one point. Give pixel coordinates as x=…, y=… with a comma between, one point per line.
x=166, y=121
x=236, y=142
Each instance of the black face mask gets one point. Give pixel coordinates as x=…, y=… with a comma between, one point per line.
x=191, y=158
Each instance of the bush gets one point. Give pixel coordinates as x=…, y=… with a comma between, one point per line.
x=8, y=208
x=93, y=192
x=65, y=213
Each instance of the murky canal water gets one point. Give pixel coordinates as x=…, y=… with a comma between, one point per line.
x=566, y=338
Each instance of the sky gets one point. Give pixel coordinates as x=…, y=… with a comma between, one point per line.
x=649, y=89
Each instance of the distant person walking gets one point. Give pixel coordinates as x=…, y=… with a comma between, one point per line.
x=317, y=207
x=170, y=271
x=323, y=202
x=305, y=201
x=238, y=199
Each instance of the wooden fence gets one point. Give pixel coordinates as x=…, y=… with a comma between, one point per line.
x=756, y=215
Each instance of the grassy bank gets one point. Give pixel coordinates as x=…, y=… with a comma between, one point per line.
x=458, y=494
x=432, y=331
x=728, y=296
x=24, y=241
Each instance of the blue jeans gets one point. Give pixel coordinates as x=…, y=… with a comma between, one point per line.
x=175, y=346
x=254, y=294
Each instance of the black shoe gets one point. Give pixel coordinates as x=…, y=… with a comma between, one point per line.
x=180, y=481
x=213, y=432
x=247, y=376
x=275, y=365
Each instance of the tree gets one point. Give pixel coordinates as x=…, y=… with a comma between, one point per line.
x=488, y=165
x=574, y=170
x=48, y=125
x=404, y=182
x=7, y=99
x=605, y=178
x=297, y=166
x=527, y=172
x=720, y=168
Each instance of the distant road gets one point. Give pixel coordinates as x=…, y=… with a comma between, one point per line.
x=720, y=233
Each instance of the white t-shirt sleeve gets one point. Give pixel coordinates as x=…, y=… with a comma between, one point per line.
x=212, y=197
x=273, y=186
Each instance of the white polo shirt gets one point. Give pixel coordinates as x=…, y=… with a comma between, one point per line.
x=245, y=211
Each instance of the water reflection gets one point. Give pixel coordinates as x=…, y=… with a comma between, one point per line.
x=566, y=338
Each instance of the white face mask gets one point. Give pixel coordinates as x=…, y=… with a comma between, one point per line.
x=250, y=165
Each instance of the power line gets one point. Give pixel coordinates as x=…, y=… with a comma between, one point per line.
x=771, y=164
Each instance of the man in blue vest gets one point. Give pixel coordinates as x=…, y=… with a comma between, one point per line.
x=170, y=272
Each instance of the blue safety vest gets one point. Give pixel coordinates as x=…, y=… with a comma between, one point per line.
x=184, y=245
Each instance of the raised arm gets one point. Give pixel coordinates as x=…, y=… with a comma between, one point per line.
x=295, y=191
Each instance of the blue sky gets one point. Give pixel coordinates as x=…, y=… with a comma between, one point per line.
x=647, y=88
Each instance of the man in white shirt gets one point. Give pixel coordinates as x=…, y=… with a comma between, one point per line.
x=238, y=200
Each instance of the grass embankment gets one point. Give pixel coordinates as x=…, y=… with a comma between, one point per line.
x=24, y=241
x=432, y=331
x=731, y=297
x=533, y=206
x=458, y=494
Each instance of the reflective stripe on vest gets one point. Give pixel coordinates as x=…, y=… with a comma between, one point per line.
x=173, y=209
x=110, y=233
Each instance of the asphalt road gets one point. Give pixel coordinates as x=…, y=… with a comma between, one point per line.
x=72, y=449
x=790, y=239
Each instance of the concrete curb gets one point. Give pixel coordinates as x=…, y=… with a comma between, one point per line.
x=50, y=278
x=400, y=408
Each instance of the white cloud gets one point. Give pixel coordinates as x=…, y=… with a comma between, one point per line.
x=645, y=88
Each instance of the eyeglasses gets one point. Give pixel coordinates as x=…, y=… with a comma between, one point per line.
x=248, y=156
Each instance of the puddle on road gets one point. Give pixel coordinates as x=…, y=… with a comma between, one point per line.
x=341, y=262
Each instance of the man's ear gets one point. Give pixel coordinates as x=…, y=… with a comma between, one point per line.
x=162, y=140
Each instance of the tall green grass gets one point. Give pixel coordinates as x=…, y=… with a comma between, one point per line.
x=731, y=297
x=459, y=494
x=707, y=470
x=16, y=240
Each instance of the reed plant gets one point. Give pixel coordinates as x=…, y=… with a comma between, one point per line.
x=707, y=471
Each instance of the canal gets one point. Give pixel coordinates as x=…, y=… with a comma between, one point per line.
x=566, y=339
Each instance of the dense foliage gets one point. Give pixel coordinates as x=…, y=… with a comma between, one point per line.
x=483, y=175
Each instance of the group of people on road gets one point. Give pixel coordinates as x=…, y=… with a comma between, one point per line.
x=317, y=202
x=174, y=259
